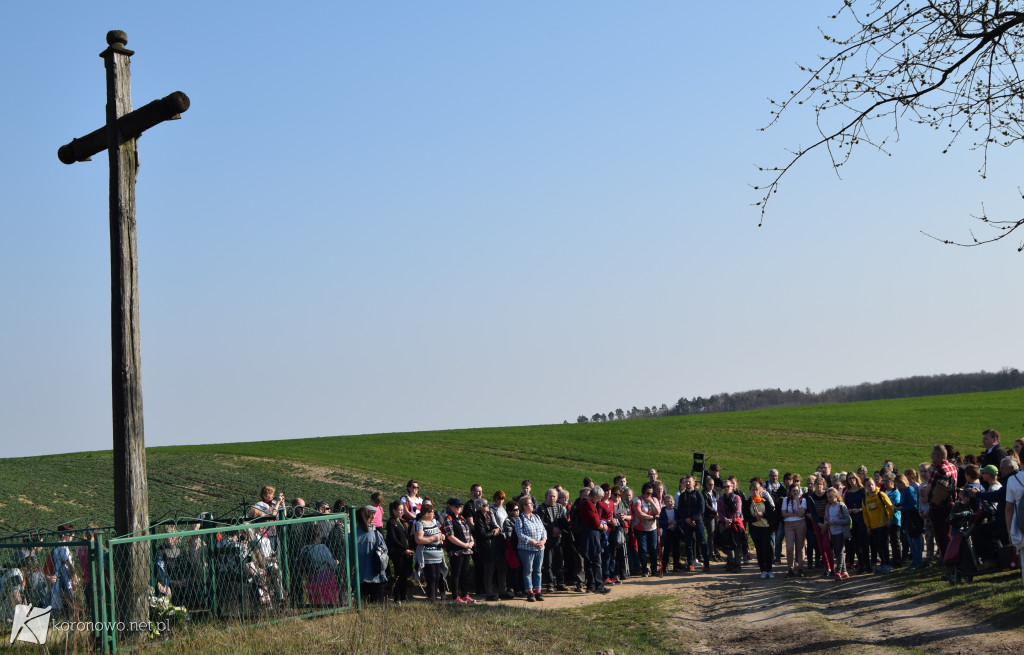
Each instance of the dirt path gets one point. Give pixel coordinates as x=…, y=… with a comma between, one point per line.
x=725, y=614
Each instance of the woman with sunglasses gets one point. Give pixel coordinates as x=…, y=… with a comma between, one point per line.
x=730, y=524
x=411, y=499
x=645, y=512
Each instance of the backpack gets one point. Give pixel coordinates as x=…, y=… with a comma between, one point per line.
x=941, y=490
x=379, y=556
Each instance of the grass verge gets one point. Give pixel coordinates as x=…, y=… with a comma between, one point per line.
x=634, y=625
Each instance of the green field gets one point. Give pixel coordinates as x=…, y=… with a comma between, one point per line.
x=183, y=480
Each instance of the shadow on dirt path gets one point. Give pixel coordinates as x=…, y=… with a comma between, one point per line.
x=727, y=614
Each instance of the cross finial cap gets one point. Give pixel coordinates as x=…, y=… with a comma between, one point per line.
x=117, y=37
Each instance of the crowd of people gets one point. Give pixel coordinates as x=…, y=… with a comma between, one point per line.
x=493, y=547
x=839, y=522
x=42, y=580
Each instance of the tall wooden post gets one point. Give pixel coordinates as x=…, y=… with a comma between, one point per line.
x=131, y=497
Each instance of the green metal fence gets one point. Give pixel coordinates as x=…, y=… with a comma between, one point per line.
x=55, y=572
x=118, y=592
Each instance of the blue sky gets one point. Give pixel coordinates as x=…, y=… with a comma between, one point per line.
x=401, y=216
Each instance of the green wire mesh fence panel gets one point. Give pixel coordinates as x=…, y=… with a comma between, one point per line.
x=248, y=573
x=51, y=578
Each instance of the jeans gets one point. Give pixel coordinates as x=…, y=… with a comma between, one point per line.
x=532, y=561
x=710, y=525
x=916, y=549
x=594, y=579
x=691, y=532
x=608, y=557
x=839, y=552
x=647, y=550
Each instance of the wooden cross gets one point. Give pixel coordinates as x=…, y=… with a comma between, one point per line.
x=118, y=137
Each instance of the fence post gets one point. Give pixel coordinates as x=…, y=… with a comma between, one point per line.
x=352, y=556
x=112, y=617
x=282, y=561
x=153, y=566
x=211, y=570
x=101, y=559
x=241, y=579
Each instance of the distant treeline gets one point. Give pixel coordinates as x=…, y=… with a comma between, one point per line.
x=918, y=385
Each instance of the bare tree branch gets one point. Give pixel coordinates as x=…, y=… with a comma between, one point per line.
x=943, y=64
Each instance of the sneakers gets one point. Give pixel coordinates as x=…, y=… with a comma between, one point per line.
x=460, y=600
x=838, y=576
x=707, y=567
x=800, y=573
x=884, y=568
x=845, y=575
x=609, y=581
x=791, y=574
x=689, y=567
x=529, y=597
x=467, y=599
x=561, y=587
x=764, y=575
x=538, y=596
x=771, y=576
